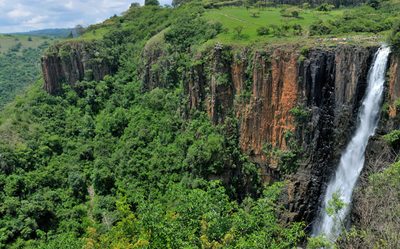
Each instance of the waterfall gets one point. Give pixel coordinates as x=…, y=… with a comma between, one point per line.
x=352, y=159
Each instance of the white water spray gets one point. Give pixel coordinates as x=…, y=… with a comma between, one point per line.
x=352, y=160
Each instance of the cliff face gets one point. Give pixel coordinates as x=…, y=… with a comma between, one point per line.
x=73, y=62
x=261, y=88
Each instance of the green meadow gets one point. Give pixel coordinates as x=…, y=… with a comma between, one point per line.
x=232, y=17
x=8, y=41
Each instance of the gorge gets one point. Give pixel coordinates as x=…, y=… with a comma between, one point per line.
x=182, y=128
x=328, y=84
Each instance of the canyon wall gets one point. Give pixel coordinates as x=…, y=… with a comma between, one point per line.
x=260, y=88
x=72, y=62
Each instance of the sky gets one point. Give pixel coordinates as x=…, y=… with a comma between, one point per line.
x=27, y=15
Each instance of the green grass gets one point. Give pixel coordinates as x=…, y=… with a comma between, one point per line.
x=7, y=41
x=95, y=34
x=232, y=17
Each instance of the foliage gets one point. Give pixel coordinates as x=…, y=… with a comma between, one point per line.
x=18, y=72
x=323, y=7
x=263, y=30
x=151, y=2
x=199, y=218
x=190, y=32
x=115, y=164
x=393, y=138
x=254, y=12
x=334, y=209
x=239, y=30
x=394, y=38
x=321, y=241
x=297, y=112
x=300, y=114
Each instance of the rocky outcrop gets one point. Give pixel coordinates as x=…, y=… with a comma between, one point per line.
x=261, y=88
x=73, y=62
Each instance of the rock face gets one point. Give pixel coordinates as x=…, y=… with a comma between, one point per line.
x=261, y=88
x=71, y=63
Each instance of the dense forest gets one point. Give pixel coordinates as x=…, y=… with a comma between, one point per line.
x=19, y=64
x=116, y=164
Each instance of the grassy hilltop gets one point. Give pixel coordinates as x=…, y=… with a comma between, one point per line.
x=20, y=63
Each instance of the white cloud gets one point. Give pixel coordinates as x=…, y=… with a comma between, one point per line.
x=113, y=4
x=35, y=20
x=25, y=15
x=69, y=5
x=19, y=11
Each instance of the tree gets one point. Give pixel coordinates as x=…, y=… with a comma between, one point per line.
x=175, y=3
x=295, y=13
x=29, y=38
x=151, y=2
x=270, y=4
x=256, y=5
x=261, y=4
x=239, y=29
x=297, y=28
x=376, y=4
x=135, y=5
x=263, y=31
x=254, y=12
x=323, y=7
x=70, y=35
x=285, y=27
x=394, y=38
x=306, y=6
x=277, y=30
x=79, y=29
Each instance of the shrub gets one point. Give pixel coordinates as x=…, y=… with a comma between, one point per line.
x=300, y=114
x=392, y=138
x=263, y=31
x=304, y=51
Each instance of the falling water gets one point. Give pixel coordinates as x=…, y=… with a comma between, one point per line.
x=352, y=160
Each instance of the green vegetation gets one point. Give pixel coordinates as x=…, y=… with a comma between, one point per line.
x=301, y=115
x=393, y=138
x=8, y=42
x=19, y=63
x=119, y=164
x=60, y=33
x=110, y=164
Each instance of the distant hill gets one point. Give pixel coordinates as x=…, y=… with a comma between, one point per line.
x=49, y=32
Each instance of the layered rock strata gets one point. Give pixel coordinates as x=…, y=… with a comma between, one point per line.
x=73, y=62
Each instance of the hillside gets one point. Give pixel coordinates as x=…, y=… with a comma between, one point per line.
x=20, y=63
x=60, y=33
x=187, y=128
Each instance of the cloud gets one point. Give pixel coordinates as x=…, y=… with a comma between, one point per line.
x=26, y=15
x=19, y=11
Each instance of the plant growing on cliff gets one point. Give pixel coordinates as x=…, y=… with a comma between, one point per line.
x=393, y=138
x=300, y=115
x=304, y=51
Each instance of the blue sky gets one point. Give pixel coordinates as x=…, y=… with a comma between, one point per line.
x=26, y=15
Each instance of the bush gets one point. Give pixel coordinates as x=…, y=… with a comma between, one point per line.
x=394, y=37
x=392, y=138
x=300, y=114
x=263, y=31
x=304, y=51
